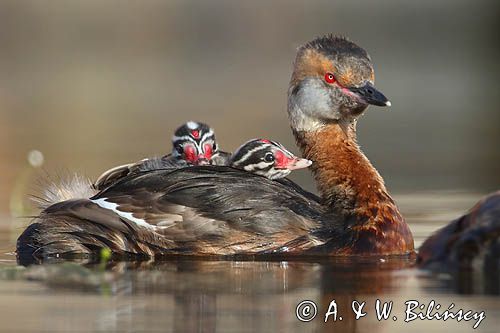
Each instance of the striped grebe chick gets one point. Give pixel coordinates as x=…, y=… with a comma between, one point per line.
x=193, y=143
x=267, y=158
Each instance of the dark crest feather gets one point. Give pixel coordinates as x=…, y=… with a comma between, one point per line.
x=335, y=45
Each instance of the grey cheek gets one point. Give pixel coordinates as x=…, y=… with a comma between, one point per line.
x=316, y=100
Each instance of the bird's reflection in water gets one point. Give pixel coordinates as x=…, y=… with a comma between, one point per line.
x=195, y=295
x=346, y=280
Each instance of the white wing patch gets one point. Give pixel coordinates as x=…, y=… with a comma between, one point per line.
x=114, y=207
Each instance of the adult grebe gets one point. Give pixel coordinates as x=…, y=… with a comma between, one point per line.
x=218, y=210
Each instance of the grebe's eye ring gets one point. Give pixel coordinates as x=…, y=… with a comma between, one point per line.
x=329, y=78
x=269, y=157
x=179, y=149
x=214, y=147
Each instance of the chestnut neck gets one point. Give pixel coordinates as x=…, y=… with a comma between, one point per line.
x=346, y=180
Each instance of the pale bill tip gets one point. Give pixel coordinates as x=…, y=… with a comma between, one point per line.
x=388, y=103
x=299, y=163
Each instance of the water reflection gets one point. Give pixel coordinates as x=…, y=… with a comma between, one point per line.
x=336, y=275
x=202, y=291
x=208, y=296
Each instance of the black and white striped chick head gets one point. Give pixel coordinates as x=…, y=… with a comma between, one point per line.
x=194, y=143
x=267, y=158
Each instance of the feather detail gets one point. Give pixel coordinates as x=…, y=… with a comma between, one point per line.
x=67, y=187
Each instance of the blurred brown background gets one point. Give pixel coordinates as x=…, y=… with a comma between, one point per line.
x=93, y=84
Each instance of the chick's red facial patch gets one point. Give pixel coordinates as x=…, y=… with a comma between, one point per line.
x=280, y=160
x=190, y=153
x=207, y=151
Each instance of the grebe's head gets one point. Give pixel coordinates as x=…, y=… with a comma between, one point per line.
x=332, y=81
x=267, y=158
x=194, y=143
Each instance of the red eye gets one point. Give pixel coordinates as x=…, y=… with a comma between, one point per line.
x=330, y=78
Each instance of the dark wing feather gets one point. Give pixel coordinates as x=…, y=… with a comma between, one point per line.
x=81, y=228
x=288, y=183
x=113, y=175
x=86, y=210
x=218, y=207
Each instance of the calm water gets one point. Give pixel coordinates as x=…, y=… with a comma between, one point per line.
x=208, y=296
